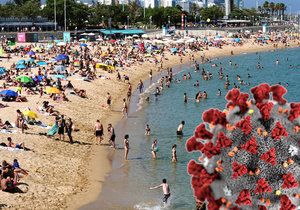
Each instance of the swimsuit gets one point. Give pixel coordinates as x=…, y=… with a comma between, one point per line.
x=166, y=197
x=99, y=133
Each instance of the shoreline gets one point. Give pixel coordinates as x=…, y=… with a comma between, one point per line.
x=102, y=156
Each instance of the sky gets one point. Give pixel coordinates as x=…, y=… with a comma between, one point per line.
x=291, y=4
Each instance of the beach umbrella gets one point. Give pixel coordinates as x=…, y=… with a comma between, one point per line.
x=9, y=93
x=99, y=39
x=52, y=90
x=61, y=44
x=112, y=41
x=91, y=34
x=24, y=79
x=31, y=60
x=82, y=40
x=145, y=36
x=59, y=76
x=21, y=66
x=61, y=57
x=237, y=40
x=2, y=70
x=60, y=68
x=128, y=37
x=21, y=62
x=174, y=50
x=31, y=53
x=30, y=114
x=83, y=45
x=42, y=63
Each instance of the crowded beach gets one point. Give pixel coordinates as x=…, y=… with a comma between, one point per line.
x=60, y=102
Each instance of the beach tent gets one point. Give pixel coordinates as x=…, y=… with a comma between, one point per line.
x=52, y=90
x=30, y=114
x=99, y=39
x=21, y=66
x=145, y=36
x=24, y=79
x=135, y=36
x=61, y=57
x=82, y=40
x=91, y=34
x=42, y=63
x=128, y=37
x=2, y=70
x=9, y=93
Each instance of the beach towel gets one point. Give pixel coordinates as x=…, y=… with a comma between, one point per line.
x=11, y=149
x=8, y=131
x=53, y=130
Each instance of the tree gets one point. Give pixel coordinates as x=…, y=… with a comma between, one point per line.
x=272, y=7
x=31, y=9
x=266, y=7
x=212, y=13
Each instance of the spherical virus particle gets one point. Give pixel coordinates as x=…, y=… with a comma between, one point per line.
x=249, y=152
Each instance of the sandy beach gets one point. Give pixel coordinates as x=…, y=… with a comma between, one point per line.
x=67, y=176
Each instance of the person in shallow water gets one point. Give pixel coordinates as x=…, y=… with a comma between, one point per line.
x=166, y=190
x=180, y=128
x=154, y=149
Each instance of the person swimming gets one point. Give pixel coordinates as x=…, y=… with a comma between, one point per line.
x=154, y=149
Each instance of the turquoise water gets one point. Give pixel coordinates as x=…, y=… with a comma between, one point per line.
x=128, y=185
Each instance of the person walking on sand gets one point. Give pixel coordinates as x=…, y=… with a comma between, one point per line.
x=112, y=135
x=165, y=189
x=126, y=146
x=141, y=86
x=69, y=129
x=180, y=128
x=108, y=100
x=125, y=108
x=61, y=127
x=98, y=132
x=154, y=149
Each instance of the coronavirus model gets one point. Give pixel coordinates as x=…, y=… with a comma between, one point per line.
x=249, y=152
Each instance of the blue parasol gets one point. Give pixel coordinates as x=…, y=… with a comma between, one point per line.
x=9, y=93
x=61, y=57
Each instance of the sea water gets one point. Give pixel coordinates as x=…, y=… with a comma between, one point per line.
x=127, y=186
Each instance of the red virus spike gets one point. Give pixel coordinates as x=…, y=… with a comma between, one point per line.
x=210, y=150
x=250, y=146
x=278, y=93
x=262, y=186
x=286, y=204
x=265, y=109
x=279, y=131
x=215, y=117
x=235, y=208
x=244, y=198
x=236, y=98
x=294, y=112
x=260, y=207
x=289, y=181
x=261, y=92
x=238, y=170
x=202, y=133
x=193, y=145
x=223, y=141
x=269, y=156
x=245, y=125
x=202, y=193
x=194, y=168
x=214, y=204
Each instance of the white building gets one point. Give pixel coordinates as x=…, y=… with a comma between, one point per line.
x=185, y=5
x=227, y=8
x=107, y=2
x=151, y=3
x=167, y=3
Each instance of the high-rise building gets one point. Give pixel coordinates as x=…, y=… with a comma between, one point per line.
x=167, y=3
x=151, y=3
x=107, y=2
x=185, y=5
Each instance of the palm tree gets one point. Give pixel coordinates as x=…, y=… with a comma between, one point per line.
x=283, y=8
x=272, y=7
x=277, y=9
x=266, y=7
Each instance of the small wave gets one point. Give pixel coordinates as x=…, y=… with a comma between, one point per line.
x=150, y=206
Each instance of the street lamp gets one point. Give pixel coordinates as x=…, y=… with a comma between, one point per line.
x=195, y=19
x=127, y=21
x=150, y=20
x=200, y=21
x=65, y=14
x=102, y=18
x=55, y=15
x=169, y=20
